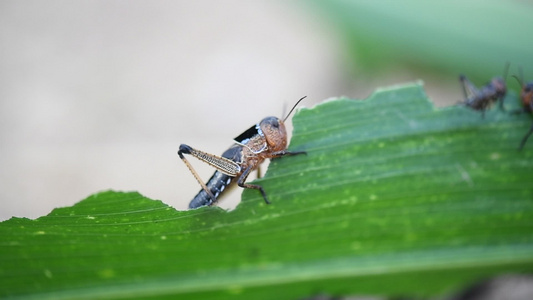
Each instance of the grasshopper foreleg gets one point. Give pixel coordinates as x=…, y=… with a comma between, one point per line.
x=241, y=181
x=285, y=153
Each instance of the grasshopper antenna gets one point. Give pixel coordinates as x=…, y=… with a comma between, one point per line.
x=293, y=108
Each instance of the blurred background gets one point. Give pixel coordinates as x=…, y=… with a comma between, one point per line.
x=98, y=95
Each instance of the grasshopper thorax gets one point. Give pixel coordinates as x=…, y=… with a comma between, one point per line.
x=275, y=133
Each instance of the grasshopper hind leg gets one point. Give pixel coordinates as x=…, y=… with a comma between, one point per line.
x=216, y=185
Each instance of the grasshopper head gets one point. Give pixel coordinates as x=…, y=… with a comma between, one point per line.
x=275, y=133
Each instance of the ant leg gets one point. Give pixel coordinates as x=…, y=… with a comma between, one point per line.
x=519, y=111
x=524, y=140
x=502, y=108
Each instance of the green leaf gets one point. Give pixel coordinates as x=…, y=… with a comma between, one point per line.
x=472, y=37
x=394, y=197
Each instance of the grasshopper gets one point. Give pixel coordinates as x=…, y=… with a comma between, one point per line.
x=481, y=99
x=526, y=95
x=266, y=139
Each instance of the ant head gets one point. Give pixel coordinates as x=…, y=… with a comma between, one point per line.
x=498, y=83
x=499, y=86
x=528, y=88
x=527, y=95
x=275, y=133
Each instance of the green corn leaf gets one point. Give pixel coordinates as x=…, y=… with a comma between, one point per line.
x=394, y=197
x=476, y=38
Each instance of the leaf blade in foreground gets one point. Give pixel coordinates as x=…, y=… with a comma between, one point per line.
x=393, y=197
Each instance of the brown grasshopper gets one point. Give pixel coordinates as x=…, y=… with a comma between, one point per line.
x=266, y=139
x=526, y=95
x=481, y=99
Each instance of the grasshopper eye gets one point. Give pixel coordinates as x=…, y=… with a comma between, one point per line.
x=274, y=133
x=270, y=122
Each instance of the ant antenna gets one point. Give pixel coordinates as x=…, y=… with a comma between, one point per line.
x=505, y=70
x=294, y=107
x=502, y=97
x=521, y=79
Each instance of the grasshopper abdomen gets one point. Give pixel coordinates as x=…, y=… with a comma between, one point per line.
x=216, y=184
